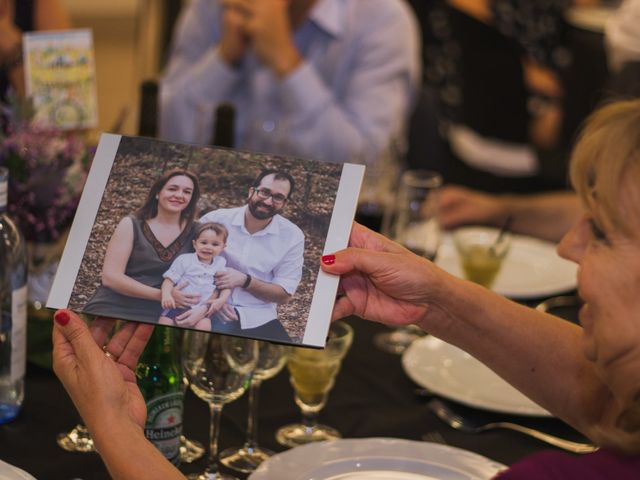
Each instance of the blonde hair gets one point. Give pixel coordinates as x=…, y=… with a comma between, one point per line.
x=608, y=151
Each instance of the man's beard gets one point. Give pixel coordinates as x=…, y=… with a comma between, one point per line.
x=268, y=212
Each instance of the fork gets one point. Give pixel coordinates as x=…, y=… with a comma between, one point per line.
x=444, y=413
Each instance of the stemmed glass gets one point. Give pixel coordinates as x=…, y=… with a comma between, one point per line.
x=190, y=450
x=312, y=374
x=413, y=222
x=219, y=370
x=271, y=360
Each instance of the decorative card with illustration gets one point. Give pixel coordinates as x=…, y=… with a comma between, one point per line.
x=60, y=77
x=209, y=239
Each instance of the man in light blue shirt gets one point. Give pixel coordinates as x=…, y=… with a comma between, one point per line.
x=323, y=79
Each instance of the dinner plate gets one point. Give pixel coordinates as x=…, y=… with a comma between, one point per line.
x=377, y=459
x=9, y=472
x=531, y=269
x=450, y=372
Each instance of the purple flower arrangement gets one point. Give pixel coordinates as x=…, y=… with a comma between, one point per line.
x=47, y=171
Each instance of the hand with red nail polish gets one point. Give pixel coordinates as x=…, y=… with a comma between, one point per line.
x=380, y=280
x=104, y=390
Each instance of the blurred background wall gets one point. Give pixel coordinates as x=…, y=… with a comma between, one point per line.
x=130, y=40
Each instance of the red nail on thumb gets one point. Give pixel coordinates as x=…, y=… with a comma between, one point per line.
x=61, y=317
x=328, y=259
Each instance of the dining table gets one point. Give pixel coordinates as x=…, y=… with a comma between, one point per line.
x=373, y=397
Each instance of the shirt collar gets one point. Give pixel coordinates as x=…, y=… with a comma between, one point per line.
x=329, y=15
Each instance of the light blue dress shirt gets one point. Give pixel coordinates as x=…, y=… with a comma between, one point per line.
x=348, y=101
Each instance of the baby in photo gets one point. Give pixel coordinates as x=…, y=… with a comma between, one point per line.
x=195, y=273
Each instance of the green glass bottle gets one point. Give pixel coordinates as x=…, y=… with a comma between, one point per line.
x=159, y=375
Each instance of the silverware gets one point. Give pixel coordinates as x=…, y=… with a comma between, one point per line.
x=444, y=413
x=434, y=437
x=558, y=302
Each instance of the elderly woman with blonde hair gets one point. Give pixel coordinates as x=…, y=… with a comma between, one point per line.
x=588, y=375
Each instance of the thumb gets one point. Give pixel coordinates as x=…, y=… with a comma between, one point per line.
x=71, y=337
x=354, y=259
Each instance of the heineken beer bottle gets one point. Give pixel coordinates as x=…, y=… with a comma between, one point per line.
x=160, y=379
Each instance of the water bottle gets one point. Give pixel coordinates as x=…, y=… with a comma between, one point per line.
x=224, y=126
x=148, y=119
x=159, y=376
x=13, y=309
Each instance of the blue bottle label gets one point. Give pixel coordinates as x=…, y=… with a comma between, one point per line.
x=18, y=333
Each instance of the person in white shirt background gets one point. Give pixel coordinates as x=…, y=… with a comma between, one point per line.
x=195, y=273
x=319, y=79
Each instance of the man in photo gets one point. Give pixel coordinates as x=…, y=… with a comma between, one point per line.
x=264, y=253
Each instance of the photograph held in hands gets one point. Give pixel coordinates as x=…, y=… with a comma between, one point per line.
x=208, y=238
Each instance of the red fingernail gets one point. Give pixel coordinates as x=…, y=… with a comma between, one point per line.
x=328, y=259
x=62, y=317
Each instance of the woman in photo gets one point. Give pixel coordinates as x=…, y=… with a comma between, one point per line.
x=142, y=248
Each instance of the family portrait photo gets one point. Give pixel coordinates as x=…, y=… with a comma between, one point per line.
x=207, y=238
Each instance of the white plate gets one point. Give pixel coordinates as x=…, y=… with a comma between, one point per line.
x=9, y=472
x=377, y=459
x=531, y=269
x=452, y=373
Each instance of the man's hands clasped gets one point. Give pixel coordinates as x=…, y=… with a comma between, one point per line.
x=263, y=25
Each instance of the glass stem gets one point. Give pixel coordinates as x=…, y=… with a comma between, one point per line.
x=252, y=420
x=214, y=430
x=309, y=420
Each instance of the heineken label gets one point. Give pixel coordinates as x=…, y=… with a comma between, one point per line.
x=164, y=424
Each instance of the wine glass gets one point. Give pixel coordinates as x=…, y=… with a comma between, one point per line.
x=378, y=187
x=190, y=450
x=219, y=370
x=413, y=222
x=271, y=360
x=312, y=374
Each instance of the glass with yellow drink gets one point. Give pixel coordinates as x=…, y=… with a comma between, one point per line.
x=312, y=375
x=482, y=251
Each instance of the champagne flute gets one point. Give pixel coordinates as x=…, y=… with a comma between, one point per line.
x=271, y=359
x=413, y=222
x=312, y=375
x=219, y=370
x=190, y=450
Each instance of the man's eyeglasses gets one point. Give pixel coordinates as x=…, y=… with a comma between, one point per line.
x=265, y=193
